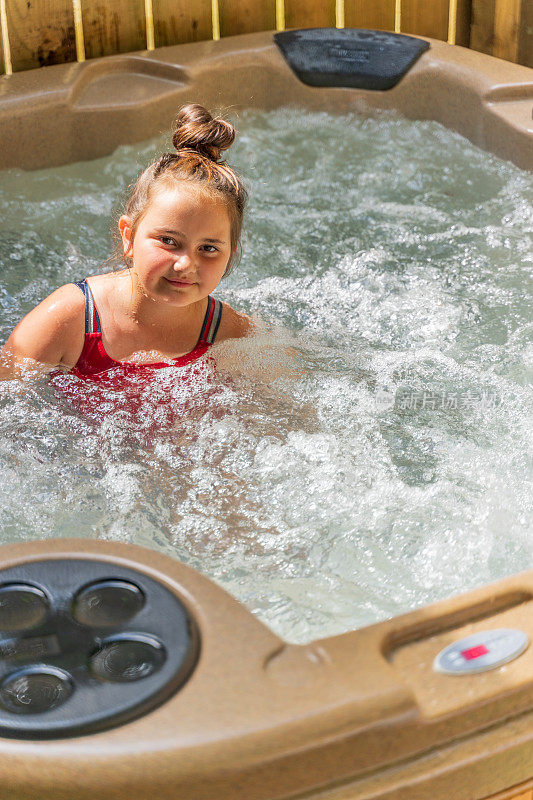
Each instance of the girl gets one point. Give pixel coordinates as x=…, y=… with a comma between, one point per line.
x=178, y=236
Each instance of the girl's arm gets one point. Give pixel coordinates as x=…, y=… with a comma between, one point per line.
x=263, y=356
x=49, y=336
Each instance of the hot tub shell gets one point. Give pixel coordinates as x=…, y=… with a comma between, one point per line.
x=361, y=716
x=73, y=112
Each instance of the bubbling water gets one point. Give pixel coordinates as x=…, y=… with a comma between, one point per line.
x=367, y=451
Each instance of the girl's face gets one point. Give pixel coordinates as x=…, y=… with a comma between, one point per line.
x=182, y=245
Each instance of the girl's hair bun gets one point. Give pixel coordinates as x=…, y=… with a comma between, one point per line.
x=196, y=129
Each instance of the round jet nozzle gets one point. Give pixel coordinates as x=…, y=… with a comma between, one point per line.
x=87, y=645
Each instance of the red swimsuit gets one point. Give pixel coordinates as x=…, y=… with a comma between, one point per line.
x=125, y=387
x=94, y=360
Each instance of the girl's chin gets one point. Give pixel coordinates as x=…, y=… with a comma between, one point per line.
x=176, y=295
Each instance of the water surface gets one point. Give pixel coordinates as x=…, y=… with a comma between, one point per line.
x=394, y=468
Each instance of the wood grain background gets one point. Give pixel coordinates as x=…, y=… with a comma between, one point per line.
x=42, y=32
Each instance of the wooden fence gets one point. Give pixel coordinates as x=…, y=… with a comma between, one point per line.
x=36, y=33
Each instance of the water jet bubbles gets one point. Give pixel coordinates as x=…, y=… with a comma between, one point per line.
x=343, y=493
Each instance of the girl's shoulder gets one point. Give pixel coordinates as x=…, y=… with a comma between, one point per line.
x=52, y=332
x=64, y=306
x=233, y=324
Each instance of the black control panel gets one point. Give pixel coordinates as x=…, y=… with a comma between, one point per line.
x=86, y=645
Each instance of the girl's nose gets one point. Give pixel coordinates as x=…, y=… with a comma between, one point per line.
x=182, y=262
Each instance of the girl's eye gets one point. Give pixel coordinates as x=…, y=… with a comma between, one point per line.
x=167, y=240
x=210, y=248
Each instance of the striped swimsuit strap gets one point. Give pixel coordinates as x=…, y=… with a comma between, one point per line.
x=210, y=324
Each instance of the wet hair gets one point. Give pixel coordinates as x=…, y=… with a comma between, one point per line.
x=198, y=139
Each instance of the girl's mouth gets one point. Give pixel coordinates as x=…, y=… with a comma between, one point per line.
x=179, y=283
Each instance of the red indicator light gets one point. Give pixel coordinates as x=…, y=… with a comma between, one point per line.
x=474, y=652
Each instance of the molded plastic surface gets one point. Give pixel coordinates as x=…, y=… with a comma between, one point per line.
x=360, y=716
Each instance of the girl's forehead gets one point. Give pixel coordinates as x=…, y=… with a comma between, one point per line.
x=186, y=199
x=197, y=213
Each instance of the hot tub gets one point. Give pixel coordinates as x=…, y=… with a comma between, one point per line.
x=374, y=713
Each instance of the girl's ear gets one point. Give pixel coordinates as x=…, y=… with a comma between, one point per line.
x=125, y=227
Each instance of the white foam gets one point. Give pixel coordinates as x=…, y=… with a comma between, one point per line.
x=367, y=451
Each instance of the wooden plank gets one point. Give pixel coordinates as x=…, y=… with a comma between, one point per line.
x=309, y=14
x=245, y=16
x=503, y=28
x=525, y=39
x=113, y=26
x=464, y=21
x=482, y=27
x=177, y=21
x=426, y=19
x=378, y=15
x=506, y=28
x=2, y=67
x=41, y=32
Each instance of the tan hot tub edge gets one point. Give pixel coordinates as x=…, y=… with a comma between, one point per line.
x=361, y=716
x=72, y=112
